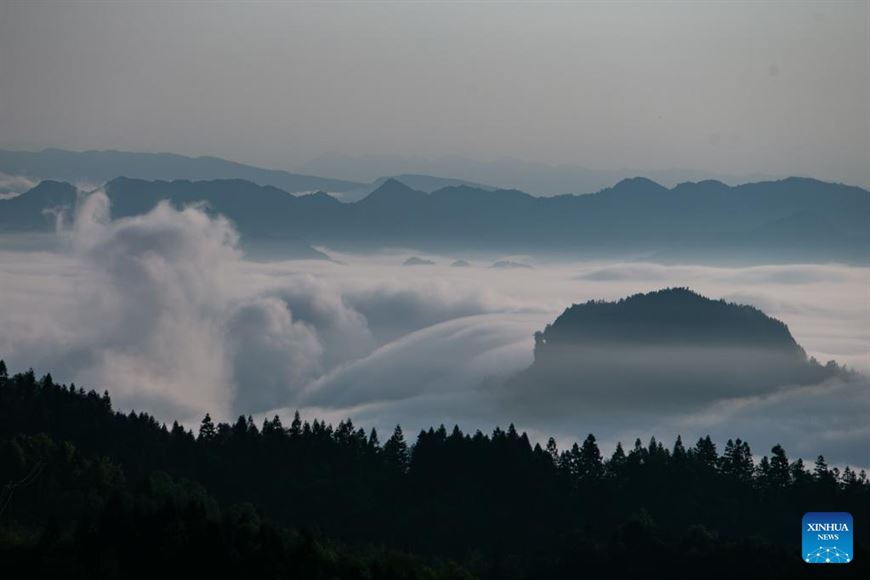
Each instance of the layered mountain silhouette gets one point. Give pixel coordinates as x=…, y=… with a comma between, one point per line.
x=98, y=167
x=260, y=224
x=504, y=172
x=670, y=345
x=795, y=219
x=430, y=183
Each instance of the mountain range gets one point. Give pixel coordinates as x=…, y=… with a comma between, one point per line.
x=791, y=220
x=543, y=179
x=93, y=168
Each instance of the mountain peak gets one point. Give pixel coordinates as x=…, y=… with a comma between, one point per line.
x=635, y=186
x=393, y=190
x=50, y=192
x=703, y=186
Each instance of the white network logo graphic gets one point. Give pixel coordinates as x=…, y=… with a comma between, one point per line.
x=828, y=556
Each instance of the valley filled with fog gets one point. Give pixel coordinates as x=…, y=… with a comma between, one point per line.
x=165, y=311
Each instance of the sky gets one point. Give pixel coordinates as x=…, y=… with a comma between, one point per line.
x=778, y=88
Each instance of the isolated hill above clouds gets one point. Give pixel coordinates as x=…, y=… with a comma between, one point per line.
x=670, y=349
x=792, y=220
x=672, y=316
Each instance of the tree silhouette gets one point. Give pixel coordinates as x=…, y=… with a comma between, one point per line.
x=207, y=430
x=779, y=474
x=590, y=465
x=313, y=501
x=396, y=450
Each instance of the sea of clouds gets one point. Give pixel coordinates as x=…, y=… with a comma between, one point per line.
x=164, y=312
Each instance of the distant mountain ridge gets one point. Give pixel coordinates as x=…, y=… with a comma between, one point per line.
x=541, y=179
x=93, y=168
x=794, y=219
x=429, y=183
x=98, y=167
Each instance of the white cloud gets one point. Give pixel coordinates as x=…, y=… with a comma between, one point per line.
x=164, y=312
x=13, y=185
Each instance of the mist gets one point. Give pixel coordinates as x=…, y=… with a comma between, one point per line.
x=166, y=313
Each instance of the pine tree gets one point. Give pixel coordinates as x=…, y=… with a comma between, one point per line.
x=705, y=452
x=570, y=462
x=821, y=467
x=206, y=429
x=296, y=425
x=344, y=432
x=590, y=466
x=374, y=443
x=273, y=428
x=798, y=472
x=639, y=454
x=617, y=460
x=679, y=452
x=553, y=450
x=849, y=478
x=396, y=450
x=742, y=466
x=779, y=470
x=764, y=470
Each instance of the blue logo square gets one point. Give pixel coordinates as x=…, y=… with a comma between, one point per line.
x=827, y=538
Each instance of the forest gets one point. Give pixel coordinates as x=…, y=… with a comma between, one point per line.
x=90, y=492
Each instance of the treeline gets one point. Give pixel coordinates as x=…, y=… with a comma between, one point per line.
x=109, y=487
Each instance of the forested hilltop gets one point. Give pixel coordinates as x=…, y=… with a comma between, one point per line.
x=94, y=493
x=667, y=347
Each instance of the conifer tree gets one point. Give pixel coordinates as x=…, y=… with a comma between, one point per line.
x=206, y=429
x=590, y=466
x=679, y=452
x=373, y=443
x=553, y=450
x=617, y=460
x=779, y=470
x=705, y=452
x=396, y=450
x=296, y=425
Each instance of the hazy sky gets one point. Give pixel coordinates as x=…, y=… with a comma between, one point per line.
x=739, y=87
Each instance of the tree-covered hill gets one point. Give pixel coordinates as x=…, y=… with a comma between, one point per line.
x=676, y=316
x=670, y=346
x=105, y=494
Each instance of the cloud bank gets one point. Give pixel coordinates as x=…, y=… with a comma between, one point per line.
x=164, y=312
